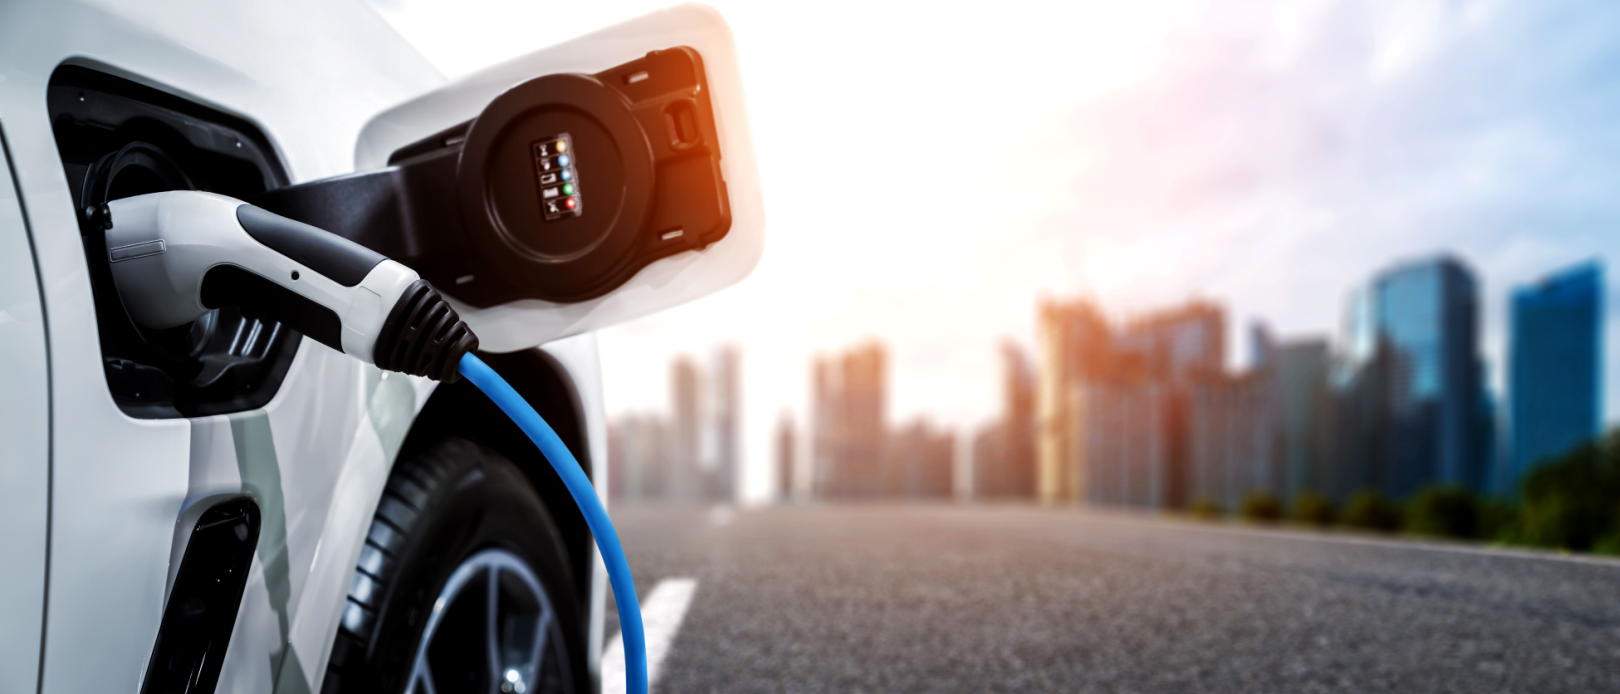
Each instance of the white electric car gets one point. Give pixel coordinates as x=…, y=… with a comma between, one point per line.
x=229, y=506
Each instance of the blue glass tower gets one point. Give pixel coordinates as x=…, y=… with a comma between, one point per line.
x=1424, y=324
x=1555, y=376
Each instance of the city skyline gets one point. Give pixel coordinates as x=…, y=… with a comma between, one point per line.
x=691, y=450
x=1146, y=410
x=1265, y=157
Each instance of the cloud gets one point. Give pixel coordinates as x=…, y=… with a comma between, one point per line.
x=1277, y=165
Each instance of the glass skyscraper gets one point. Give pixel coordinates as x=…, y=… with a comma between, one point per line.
x=1421, y=323
x=1555, y=376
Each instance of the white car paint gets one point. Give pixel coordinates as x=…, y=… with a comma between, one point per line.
x=24, y=445
x=122, y=484
x=312, y=74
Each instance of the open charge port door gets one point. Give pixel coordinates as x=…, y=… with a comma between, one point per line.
x=579, y=186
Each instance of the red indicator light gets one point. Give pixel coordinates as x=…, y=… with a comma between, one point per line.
x=570, y=203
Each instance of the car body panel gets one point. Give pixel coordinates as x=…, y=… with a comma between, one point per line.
x=124, y=486
x=24, y=445
x=579, y=356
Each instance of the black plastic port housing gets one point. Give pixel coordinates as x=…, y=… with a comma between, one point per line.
x=562, y=189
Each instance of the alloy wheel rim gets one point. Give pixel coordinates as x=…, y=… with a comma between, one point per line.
x=492, y=629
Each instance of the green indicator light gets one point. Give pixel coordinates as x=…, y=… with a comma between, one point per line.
x=568, y=189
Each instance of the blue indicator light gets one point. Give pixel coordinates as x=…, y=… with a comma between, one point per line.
x=567, y=175
x=562, y=160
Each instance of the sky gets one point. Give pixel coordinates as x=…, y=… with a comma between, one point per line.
x=1267, y=156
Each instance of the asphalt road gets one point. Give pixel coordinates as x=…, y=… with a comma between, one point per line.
x=1018, y=599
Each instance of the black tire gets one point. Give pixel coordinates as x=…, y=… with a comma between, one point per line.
x=442, y=506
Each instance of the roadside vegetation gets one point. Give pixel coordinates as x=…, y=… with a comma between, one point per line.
x=1312, y=508
x=1569, y=503
x=1207, y=509
x=1261, y=507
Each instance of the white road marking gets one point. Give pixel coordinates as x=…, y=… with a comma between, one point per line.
x=661, y=615
x=1306, y=536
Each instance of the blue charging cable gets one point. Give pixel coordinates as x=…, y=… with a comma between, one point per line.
x=607, y=541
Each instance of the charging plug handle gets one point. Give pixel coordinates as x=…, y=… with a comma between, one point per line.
x=176, y=255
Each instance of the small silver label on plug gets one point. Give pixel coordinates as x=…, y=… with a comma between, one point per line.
x=137, y=250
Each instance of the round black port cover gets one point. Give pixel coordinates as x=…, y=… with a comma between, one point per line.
x=500, y=198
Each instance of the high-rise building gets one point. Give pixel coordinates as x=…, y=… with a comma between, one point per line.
x=850, y=427
x=920, y=462
x=1176, y=344
x=722, y=401
x=1128, y=389
x=864, y=383
x=826, y=424
x=1357, y=428
x=986, y=455
x=1004, y=454
x=1416, y=337
x=638, y=448
x=1138, y=412
x=1075, y=348
x=695, y=453
x=1264, y=429
x=1132, y=443
x=684, y=480
x=1300, y=410
x=1232, y=436
x=785, y=450
x=1555, y=367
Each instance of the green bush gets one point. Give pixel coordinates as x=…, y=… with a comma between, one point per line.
x=1261, y=506
x=1496, y=519
x=1207, y=509
x=1444, y=512
x=1369, y=509
x=1311, y=507
x=1573, y=501
x=1608, y=544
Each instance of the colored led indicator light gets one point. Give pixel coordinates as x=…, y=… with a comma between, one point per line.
x=559, y=187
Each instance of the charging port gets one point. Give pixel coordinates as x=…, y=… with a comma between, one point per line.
x=120, y=139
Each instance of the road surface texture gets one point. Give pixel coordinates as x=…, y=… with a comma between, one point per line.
x=1018, y=599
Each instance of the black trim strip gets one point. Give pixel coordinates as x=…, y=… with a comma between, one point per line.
x=202, y=607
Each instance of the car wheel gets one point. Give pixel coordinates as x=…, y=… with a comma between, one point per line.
x=461, y=586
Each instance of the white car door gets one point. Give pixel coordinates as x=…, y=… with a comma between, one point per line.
x=24, y=444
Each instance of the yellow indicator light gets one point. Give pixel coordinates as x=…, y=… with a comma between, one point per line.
x=562, y=146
